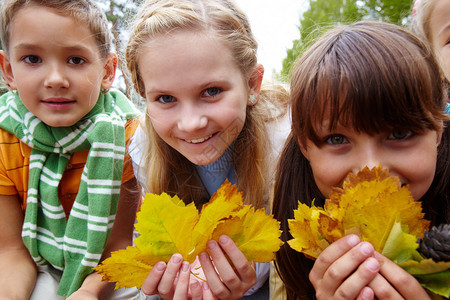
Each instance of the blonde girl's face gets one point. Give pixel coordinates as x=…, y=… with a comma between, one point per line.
x=54, y=63
x=196, y=94
x=410, y=156
x=440, y=33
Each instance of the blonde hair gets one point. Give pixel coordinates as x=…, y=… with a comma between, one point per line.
x=166, y=169
x=421, y=18
x=85, y=11
x=421, y=26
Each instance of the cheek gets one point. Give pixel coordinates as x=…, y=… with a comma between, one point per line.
x=327, y=175
x=421, y=179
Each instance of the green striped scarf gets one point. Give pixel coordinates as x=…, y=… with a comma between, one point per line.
x=75, y=245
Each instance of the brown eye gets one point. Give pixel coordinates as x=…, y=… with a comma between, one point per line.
x=336, y=139
x=32, y=59
x=76, y=60
x=399, y=134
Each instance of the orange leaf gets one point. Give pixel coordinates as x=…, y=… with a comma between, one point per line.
x=369, y=204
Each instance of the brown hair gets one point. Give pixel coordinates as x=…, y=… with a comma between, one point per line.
x=166, y=169
x=371, y=76
x=85, y=11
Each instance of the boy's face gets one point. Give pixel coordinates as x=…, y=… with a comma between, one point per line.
x=55, y=65
x=440, y=33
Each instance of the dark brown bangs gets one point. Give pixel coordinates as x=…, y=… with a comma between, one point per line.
x=367, y=79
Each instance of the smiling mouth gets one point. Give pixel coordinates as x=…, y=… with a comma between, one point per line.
x=200, y=140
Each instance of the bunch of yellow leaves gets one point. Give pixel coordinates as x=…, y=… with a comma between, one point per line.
x=374, y=206
x=167, y=226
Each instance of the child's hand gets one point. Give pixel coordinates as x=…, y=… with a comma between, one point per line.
x=229, y=276
x=174, y=281
x=351, y=269
x=393, y=282
x=344, y=270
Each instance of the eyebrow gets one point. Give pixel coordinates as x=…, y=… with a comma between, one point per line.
x=26, y=46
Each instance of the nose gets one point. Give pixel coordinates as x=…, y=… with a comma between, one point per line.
x=369, y=155
x=56, y=77
x=191, y=118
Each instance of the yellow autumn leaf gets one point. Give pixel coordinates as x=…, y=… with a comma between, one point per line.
x=167, y=226
x=221, y=206
x=369, y=204
x=128, y=267
x=255, y=235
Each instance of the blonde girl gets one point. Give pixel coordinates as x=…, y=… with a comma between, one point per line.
x=207, y=120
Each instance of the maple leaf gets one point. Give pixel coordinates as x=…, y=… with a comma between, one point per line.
x=369, y=204
x=375, y=206
x=167, y=226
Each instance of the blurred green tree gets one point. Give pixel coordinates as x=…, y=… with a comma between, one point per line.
x=323, y=14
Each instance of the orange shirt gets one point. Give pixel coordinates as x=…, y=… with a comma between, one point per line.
x=15, y=159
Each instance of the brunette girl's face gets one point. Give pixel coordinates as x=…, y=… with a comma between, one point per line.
x=408, y=155
x=440, y=33
x=196, y=94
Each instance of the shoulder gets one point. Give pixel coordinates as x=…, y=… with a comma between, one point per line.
x=11, y=145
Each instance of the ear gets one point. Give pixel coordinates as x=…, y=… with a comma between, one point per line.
x=303, y=149
x=109, y=73
x=255, y=82
x=7, y=70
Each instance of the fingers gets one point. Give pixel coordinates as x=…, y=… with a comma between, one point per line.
x=196, y=290
x=207, y=293
x=344, y=269
x=366, y=294
x=395, y=283
x=330, y=255
x=182, y=285
x=150, y=285
x=236, y=274
x=355, y=284
x=165, y=287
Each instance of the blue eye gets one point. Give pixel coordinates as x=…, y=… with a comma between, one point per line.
x=32, y=59
x=75, y=60
x=336, y=139
x=165, y=99
x=211, y=92
x=400, y=134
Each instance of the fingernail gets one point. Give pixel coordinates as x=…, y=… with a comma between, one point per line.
x=195, y=285
x=366, y=249
x=176, y=259
x=353, y=240
x=185, y=266
x=372, y=264
x=212, y=244
x=223, y=240
x=367, y=294
x=203, y=257
x=160, y=266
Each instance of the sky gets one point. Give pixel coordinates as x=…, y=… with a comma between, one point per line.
x=275, y=26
